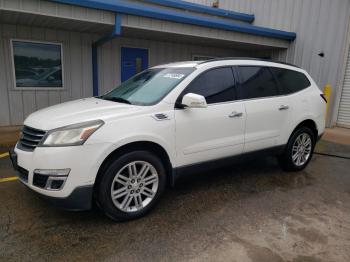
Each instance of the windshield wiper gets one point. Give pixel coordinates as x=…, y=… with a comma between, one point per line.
x=117, y=99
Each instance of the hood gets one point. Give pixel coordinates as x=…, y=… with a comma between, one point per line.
x=78, y=111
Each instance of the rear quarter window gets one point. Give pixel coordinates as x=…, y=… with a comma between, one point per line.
x=290, y=81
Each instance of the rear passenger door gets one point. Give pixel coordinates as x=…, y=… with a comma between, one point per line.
x=267, y=111
x=293, y=85
x=214, y=132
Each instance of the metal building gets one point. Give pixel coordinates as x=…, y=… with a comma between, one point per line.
x=60, y=50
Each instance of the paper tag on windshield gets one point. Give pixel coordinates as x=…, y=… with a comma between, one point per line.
x=173, y=75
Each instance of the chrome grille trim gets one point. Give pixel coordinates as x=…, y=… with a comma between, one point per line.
x=30, y=138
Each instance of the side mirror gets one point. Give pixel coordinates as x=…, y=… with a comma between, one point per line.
x=194, y=101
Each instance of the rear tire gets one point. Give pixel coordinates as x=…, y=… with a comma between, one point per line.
x=131, y=185
x=299, y=150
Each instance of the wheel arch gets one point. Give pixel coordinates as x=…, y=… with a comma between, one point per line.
x=150, y=146
x=308, y=123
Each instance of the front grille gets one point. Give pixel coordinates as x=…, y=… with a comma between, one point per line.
x=40, y=180
x=22, y=174
x=30, y=138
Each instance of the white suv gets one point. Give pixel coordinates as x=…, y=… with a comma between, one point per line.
x=121, y=149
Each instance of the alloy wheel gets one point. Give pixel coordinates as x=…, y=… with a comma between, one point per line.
x=134, y=186
x=301, y=150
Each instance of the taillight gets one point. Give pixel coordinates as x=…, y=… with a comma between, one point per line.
x=324, y=97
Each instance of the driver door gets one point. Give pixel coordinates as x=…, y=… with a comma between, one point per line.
x=214, y=132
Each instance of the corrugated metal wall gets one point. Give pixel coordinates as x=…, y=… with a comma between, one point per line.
x=344, y=107
x=321, y=26
x=159, y=53
x=17, y=104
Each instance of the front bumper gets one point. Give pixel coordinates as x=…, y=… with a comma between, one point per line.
x=83, y=161
x=80, y=199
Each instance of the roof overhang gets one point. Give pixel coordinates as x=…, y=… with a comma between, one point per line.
x=16, y=17
x=139, y=9
x=57, y=15
x=145, y=28
x=155, y=35
x=194, y=7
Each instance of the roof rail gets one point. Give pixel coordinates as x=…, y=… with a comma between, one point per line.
x=246, y=58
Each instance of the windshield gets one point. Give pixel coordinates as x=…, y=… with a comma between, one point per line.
x=148, y=87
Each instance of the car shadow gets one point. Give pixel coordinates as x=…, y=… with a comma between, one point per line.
x=232, y=183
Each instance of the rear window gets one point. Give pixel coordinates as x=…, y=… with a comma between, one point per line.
x=290, y=81
x=257, y=82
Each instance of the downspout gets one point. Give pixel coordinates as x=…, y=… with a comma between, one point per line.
x=99, y=42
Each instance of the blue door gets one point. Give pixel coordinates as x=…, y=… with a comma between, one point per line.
x=133, y=61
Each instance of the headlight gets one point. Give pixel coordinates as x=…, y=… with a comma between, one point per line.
x=71, y=135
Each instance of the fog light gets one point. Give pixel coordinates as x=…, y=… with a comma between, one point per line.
x=55, y=182
x=50, y=179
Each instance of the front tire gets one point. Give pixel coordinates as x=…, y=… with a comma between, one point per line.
x=299, y=150
x=131, y=185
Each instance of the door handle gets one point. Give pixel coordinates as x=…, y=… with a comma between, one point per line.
x=235, y=114
x=283, y=107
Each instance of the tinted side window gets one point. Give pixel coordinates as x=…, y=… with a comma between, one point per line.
x=216, y=85
x=257, y=81
x=290, y=81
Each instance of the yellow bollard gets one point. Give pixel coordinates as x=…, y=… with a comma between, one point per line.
x=327, y=94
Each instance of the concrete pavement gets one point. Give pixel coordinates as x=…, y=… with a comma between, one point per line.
x=249, y=212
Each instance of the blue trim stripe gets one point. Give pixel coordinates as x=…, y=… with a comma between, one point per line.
x=204, y=9
x=126, y=7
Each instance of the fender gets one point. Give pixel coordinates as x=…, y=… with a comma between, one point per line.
x=147, y=138
x=132, y=139
x=299, y=121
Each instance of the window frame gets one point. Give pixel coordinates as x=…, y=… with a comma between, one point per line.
x=35, y=88
x=240, y=86
x=236, y=83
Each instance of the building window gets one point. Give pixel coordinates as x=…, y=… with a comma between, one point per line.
x=37, y=65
